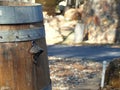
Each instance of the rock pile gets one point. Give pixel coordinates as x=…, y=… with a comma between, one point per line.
x=58, y=29
x=71, y=73
x=102, y=20
x=72, y=14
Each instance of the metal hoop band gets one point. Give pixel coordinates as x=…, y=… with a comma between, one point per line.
x=21, y=35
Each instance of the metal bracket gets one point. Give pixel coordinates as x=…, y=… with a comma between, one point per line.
x=36, y=51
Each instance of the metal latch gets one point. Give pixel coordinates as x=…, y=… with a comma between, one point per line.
x=36, y=51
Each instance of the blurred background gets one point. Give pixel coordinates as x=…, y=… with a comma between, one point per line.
x=80, y=34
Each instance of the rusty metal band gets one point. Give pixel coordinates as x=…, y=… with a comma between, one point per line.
x=49, y=87
x=21, y=35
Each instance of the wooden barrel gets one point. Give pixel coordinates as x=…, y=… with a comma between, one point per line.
x=23, y=53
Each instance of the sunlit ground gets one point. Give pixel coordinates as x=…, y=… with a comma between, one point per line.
x=74, y=74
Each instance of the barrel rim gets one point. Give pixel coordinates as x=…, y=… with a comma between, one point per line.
x=18, y=4
x=21, y=14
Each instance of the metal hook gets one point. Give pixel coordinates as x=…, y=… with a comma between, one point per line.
x=36, y=51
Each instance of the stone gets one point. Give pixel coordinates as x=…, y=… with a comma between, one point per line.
x=52, y=32
x=71, y=14
x=112, y=77
x=101, y=18
x=69, y=40
x=58, y=30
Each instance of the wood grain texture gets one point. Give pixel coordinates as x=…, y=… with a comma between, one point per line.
x=17, y=70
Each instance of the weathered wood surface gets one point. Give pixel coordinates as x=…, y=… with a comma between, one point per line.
x=17, y=70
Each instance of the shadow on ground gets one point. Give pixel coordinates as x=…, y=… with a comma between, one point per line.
x=98, y=53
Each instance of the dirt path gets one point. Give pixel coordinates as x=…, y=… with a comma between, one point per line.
x=74, y=74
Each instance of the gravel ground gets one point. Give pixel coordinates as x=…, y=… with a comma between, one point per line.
x=74, y=74
x=78, y=67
